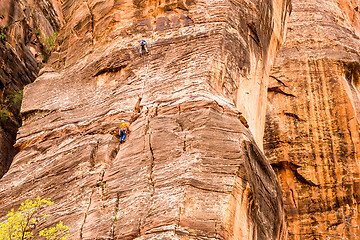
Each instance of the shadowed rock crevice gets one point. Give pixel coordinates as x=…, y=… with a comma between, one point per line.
x=152, y=163
x=109, y=70
x=279, y=81
x=281, y=166
x=279, y=90
x=115, y=217
x=294, y=116
x=85, y=215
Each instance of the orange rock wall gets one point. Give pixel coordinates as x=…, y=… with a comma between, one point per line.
x=190, y=168
x=312, y=122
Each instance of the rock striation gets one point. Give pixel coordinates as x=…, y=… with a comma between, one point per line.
x=24, y=29
x=312, y=121
x=192, y=166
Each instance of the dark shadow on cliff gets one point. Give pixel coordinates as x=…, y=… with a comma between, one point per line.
x=24, y=40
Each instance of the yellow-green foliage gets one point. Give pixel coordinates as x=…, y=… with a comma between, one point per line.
x=50, y=41
x=4, y=114
x=48, y=46
x=3, y=34
x=11, y=105
x=21, y=224
x=60, y=231
x=15, y=97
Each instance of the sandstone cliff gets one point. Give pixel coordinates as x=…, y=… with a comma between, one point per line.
x=312, y=123
x=24, y=29
x=190, y=169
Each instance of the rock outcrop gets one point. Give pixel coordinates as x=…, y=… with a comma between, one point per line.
x=312, y=126
x=25, y=30
x=192, y=166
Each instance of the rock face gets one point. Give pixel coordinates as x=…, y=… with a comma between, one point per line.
x=312, y=124
x=24, y=27
x=190, y=168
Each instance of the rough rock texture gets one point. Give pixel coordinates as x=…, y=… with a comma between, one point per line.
x=190, y=168
x=24, y=25
x=312, y=124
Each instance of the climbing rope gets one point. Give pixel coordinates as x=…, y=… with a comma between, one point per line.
x=146, y=62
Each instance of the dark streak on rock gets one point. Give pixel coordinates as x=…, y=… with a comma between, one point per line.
x=279, y=90
x=151, y=175
x=137, y=111
x=293, y=197
x=91, y=23
x=184, y=147
x=293, y=167
x=110, y=69
x=137, y=107
x=93, y=156
x=295, y=116
x=277, y=79
x=114, y=153
x=116, y=210
x=334, y=225
x=304, y=180
x=206, y=189
x=253, y=33
x=28, y=114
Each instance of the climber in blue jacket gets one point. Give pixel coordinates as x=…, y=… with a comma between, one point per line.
x=143, y=47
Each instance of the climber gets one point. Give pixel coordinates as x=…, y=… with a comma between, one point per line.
x=123, y=129
x=143, y=47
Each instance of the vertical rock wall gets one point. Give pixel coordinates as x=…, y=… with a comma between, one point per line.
x=24, y=27
x=312, y=123
x=190, y=168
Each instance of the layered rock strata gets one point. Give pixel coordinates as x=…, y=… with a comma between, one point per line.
x=312, y=124
x=25, y=27
x=190, y=168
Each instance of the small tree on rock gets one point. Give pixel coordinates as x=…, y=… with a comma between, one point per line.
x=21, y=224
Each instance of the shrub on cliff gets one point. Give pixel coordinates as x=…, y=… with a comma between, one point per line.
x=10, y=107
x=3, y=34
x=48, y=46
x=22, y=224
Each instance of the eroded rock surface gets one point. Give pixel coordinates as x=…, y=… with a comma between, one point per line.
x=24, y=28
x=312, y=129
x=190, y=168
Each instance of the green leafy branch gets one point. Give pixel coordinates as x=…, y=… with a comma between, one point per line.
x=48, y=45
x=3, y=34
x=15, y=98
x=4, y=115
x=12, y=101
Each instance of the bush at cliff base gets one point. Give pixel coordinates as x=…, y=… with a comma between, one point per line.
x=23, y=223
